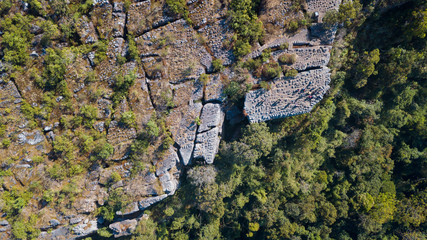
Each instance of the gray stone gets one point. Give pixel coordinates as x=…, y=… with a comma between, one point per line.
x=169, y=184
x=287, y=96
x=75, y=220
x=34, y=54
x=4, y=223
x=145, y=203
x=131, y=209
x=207, y=145
x=119, y=20
x=168, y=162
x=210, y=117
x=118, y=7
x=86, y=205
x=60, y=233
x=85, y=229
x=54, y=222
x=86, y=30
x=326, y=34
x=214, y=89
x=51, y=135
x=123, y=228
x=30, y=138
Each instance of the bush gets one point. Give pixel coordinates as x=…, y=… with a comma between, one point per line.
x=241, y=48
x=50, y=31
x=89, y=114
x=217, y=65
x=5, y=143
x=133, y=50
x=57, y=172
x=204, y=79
x=64, y=147
x=16, y=39
x=121, y=86
x=290, y=72
x=265, y=85
x=103, y=150
x=100, y=51
x=55, y=69
x=252, y=64
x=115, y=177
x=265, y=55
x=287, y=58
x=152, y=128
x=128, y=119
x=271, y=70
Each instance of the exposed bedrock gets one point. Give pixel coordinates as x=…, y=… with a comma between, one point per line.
x=287, y=96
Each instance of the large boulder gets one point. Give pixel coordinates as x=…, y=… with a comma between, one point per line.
x=123, y=228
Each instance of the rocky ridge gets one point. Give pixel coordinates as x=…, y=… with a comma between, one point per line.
x=174, y=56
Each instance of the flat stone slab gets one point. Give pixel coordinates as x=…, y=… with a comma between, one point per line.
x=145, y=203
x=309, y=57
x=211, y=117
x=123, y=228
x=207, y=145
x=287, y=96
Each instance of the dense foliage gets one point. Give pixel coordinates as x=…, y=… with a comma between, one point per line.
x=353, y=168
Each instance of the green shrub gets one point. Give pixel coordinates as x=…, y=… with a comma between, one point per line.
x=167, y=142
x=50, y=31
x=55, y=69
x=265, y=55
x=253, y=64
x=5, y=6
x=48, y=196
x=5, y=143
x=133, y=50
x=89, y=114
x=204, y=79
x=293, y=25
x=121, y=59
x=103, y=150
x=241, y=48
x=287, y=58
x=115, y=177
x=28, y=111
x=104, y=232
x=64, y=147
x=284, y=46
x=128, y=119
x=290, y=72
x=179, y=7
x=100, y=51
x=121, y=86
x=217, y=65
x=265, y=85
x=271, y=70
x=16, y=39
x=152, y=128
x=244, y=20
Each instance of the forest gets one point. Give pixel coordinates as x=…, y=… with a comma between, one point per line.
x=353, y=168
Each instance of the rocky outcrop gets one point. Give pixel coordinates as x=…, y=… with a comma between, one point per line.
x=123, y=228
x=174, y=86
x=211, y=117
x=207, y=145
x=217, y=34
x=86, y=30
x=306, y=58
x=85, y=229
x=145, y=203
x=288, y=96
